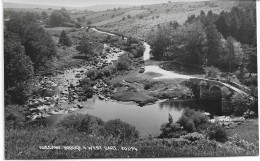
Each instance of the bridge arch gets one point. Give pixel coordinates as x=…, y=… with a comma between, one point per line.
x=215, y=91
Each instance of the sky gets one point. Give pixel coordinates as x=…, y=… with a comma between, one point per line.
x=83, y=3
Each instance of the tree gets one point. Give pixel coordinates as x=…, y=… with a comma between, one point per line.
x=251, y=52
x=212, y=72
x=194, y=43
x=60, y=17
x=37, y=43
x=124, y=63
x=230, y=49
x=85, y=47
x=89, y=23
x=222, y=25
x=44, y=14
x=214, y=44
x=57, y=19
x=64, y=39
x=240, y=103
x=18, y=66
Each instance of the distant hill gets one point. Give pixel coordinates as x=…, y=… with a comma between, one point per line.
x=95, y=8
x=21, y=5
x=105, y=7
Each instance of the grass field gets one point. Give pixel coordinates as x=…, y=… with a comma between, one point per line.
x=247, y=131
x=159, y=14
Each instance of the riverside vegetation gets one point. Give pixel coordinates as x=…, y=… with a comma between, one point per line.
x=39, y=48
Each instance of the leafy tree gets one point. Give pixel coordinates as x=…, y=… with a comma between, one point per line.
x=85, y=47
x=214, y=44
x=240, y=103
x=40, y=47
x=174, y=24
x=44, y=14
x=57, y=19
x=78, y=25
x=230, y=57
x=37, y=43
x=18, y=66
x=194, y=43
x=160, y=41
x=222, y=25
x=124, y=63
x=212, y=72
x=89, y=23
x=60, y=17
x=252, y=60
x=64, y=39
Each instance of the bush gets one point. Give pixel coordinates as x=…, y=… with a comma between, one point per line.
x=217, y=133
x=212, y=72
x=193, y=136
x=83, y=123
x=121, y=130
x=86, y=81
x=88, y=91
x=192, y=120
x=170, y=130
x=240, y=103
x=64, y=39
x=92, y=74
x=124, y=63
x=100, y=74
x=78, y=25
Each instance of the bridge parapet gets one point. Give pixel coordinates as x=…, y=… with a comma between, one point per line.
x=218, y=90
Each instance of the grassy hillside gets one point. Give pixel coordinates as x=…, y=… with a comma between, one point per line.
x=152, y=15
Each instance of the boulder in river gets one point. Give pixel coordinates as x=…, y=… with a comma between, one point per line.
x=80, y=106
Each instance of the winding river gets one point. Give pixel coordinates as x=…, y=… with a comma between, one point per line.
x=146, y=119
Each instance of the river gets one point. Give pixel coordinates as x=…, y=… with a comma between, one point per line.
x=146, y=119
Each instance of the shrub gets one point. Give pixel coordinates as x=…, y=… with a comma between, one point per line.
x=240, y=103
x=193, y=136
x=78, y=25
x=212, y=72
x=124, y=63
x=64, y=39
x=147, y=86
x=121, y=130
x=218, y=133
x=192, y=120
x=88, y=91
x=86, y=81
x=100, y=74
x=128, y=16
x=83, y=123
x=170, y=130
x=92, y=74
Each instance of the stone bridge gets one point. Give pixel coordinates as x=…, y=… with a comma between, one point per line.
x=221, y=90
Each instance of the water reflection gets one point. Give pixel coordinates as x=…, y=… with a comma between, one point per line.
x=146, y=119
